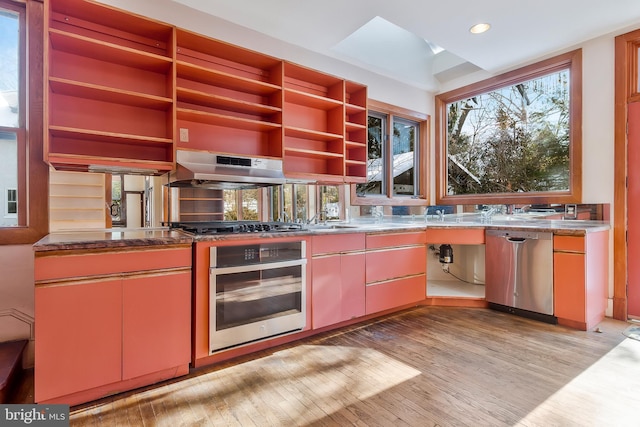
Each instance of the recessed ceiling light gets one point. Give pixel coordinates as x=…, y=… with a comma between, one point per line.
x=480, y=28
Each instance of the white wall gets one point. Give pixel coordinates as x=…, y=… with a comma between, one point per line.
x=16, y=295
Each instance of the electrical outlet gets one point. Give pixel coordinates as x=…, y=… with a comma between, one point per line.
x=184, y=135
x=570, y=212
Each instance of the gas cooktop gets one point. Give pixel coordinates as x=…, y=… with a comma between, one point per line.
x=229, y=227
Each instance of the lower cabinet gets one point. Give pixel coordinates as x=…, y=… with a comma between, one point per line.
x=580, y=279
x=337, y=279
x=396, y=270
x=102, y=334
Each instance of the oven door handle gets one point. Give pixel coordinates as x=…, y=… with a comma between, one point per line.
x=257, y=267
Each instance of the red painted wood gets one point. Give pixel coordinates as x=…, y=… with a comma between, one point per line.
x=104, y=263
x=337, y=243
x=569, y=243
x=156, y=323
x=396, y=262
x=326, y=288
x=395, y=293
x=581, y=279
x=353, y=267
x=383, y=240
x=79, y=337
x=569, y=276
x=466, y=236
x=633, y=207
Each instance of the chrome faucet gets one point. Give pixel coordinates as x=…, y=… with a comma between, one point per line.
x=440, y=215
x=487, y=214
x=378, y=215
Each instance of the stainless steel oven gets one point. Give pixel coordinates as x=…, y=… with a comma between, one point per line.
x=256, y=291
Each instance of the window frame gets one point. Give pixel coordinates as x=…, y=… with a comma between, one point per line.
x=389, y=198
x=571, y=61
x=33, y=173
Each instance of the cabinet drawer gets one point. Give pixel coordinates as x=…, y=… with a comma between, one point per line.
x=385, y=264
x=107, y=263
x=337, y=243
x=395, y=293
x=569, y=243
x=383, y=240
x=457, y=236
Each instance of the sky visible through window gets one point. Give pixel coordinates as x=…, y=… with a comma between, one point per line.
x=9, y=66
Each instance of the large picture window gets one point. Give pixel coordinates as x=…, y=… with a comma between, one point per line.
x=513, y=137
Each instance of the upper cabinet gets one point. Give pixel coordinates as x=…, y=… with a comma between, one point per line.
x=124, y=92
x=323, y=131
x=228, y=99
x=110, y=96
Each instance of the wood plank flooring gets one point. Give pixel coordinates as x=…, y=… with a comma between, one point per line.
x=429, y=366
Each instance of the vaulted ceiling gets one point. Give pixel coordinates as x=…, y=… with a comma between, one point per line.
x=425, y=43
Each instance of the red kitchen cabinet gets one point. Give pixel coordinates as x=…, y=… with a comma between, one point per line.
x=580, y=279
x=78, y=337
x=156, y=323
x=396, y=270
x=109, y=321
x=337, y=279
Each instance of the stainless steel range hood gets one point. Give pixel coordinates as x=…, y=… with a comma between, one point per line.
x=222, y=171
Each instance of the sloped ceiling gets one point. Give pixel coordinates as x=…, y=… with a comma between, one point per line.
x=402, y=39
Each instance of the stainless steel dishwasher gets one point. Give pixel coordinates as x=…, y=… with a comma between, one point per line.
x=519, y=272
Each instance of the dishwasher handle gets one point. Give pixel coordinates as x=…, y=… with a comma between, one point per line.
x=516, y=239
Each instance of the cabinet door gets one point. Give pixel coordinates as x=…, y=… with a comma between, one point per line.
x=326, y=291
x=385, y=264
x=569, y=286
x=157, y=323
x=395, y=293
x=79, y=337
x=352, y=271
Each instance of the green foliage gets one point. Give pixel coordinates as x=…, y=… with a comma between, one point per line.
x=515, y=139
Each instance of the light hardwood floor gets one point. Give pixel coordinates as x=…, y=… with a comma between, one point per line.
x=429, y=366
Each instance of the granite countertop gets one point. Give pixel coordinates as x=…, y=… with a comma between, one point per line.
x=111, y=238
x=128, y=238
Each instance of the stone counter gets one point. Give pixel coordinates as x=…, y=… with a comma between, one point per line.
x=110, y=239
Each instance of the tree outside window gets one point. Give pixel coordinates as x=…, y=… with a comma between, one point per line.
x=515, y=138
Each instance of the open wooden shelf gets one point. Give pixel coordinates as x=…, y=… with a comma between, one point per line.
x=295, y=132
x=310, y=100
x=223, y=102
x=301, y=152
x=107, y=52
x=108, y=94
x=225, y=120
x=76, y=133
x=222, y=79
x=83, y=163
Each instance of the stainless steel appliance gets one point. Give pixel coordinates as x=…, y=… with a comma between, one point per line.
x=224, y=171
x=256, y=291
x=519, y=272
x=227, y=227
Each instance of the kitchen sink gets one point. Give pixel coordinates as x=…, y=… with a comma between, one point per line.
x=331, y=226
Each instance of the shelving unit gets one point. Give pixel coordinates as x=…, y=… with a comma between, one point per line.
x=125, y=92
x=228, y=99
x=109, y=100
x=314, y=128
x=355, y=132
x=76, y=200
x=200, y=204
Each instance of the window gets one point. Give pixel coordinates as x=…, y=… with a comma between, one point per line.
x=513, y=138
x=12, y=201
x=396, y=157
x=26, y=198
x=242, y=205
